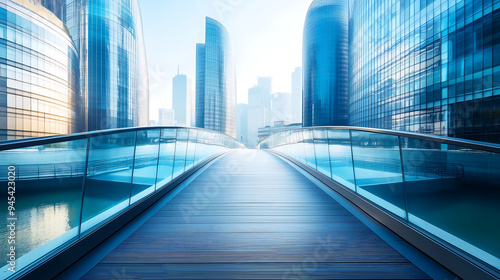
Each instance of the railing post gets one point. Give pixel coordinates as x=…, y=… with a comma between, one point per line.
x=403, y=176
x=83, y=187
x=353, y=167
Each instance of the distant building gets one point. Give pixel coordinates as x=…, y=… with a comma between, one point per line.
x=278, y=127
x=180, y=99
x=281, y=108
x=216, y=81
x=325, y=64
x=166, y=117
x=242, y=123
x=297, y=95
x=259, y=108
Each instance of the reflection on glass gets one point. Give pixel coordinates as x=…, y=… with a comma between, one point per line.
x=166, y=160
x=180, y=152
x=48, y=196
x=321, y=151
x=452, y=193
x=145, y=164
x=377, y=166
x=109, y=177
x=339, y=144
x=191, y=149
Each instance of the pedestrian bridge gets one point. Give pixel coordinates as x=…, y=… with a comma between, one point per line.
x=319, y=203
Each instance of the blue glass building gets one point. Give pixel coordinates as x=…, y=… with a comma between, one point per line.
x=426, y=66
x=216, y=81
x=325, y=64
x=39, y=73
x=114, y=74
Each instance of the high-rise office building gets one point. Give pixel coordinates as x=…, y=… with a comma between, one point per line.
x=325, y=63
x=216, y=81
x=73, y=73
x=297, y=95
x=114, y=67
x=242, y=123
x=180, y=99
x=426, y=66
x=39, y=73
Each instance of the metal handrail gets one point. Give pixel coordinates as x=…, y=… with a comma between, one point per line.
x=33, y=142
x=471, y=144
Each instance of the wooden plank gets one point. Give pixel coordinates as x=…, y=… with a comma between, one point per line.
x=258, y=219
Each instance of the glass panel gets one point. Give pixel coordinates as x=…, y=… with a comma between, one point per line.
x=145, y=164
x=309, y=148
x=339, y=143
x=378, y=174
x=45, y=194
x=191, y=149
x=109, y=177
x=201, y=147
x=166, y=161
x=322, y=153
x=180, y=152
x=453, y=192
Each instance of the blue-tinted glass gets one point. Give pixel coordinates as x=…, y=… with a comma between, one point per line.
x=191, y=149
x=310, y=155
x=325, y=51
x=46, y=183
x=339, y=143
x=377, y=164
x=452, y=193
x=180, y=152
x=109, y=177
x=322, y=152
x=145, y=164
x=166, y=160
x=216, y=81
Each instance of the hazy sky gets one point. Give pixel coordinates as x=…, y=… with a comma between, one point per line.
x=266, y=36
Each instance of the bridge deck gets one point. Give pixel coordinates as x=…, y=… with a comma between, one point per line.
x=252, y=215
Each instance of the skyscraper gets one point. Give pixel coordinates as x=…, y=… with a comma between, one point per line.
x=325, y=63
x=114, y=70
x=180, y=99
x=39, y=73
x=426, y=66
x=216, y=81
x=113, y=80
x=297, y=95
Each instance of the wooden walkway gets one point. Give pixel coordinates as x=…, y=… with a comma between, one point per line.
x=250, y=215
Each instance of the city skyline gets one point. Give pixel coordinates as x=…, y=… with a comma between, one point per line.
x=270, y=47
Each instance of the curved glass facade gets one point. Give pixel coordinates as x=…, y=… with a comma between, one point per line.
x=216, y=81
x=39, y=74
x=325, y=63
x=426, y=66
x=113, y=56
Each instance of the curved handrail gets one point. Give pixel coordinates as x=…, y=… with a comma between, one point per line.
x=485, y=146
x=40, y=141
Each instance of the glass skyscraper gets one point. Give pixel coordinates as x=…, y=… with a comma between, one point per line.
x=216, y=81
x=71, y=65
x=325, y=64
x=39, y=73
x=114, y=75
x=426, y=66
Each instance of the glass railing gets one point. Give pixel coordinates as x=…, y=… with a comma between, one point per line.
x=58, y=189
x=446, y=188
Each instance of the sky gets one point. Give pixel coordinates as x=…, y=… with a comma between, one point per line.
x=266, y=37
